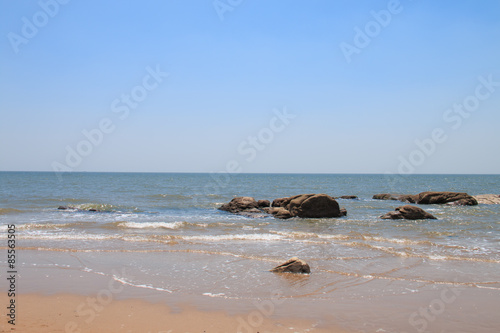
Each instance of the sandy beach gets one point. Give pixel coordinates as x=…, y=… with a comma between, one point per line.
x=72, y=313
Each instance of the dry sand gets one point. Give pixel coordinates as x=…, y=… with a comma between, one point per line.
x=75, y=313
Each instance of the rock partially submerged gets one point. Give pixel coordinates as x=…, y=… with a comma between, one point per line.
x=294, y=265
x=307, y=206
x=348, y=197
x=385, y=196
x=426, y=198
x=303, y=205
x=408, y=212
x=77, y=209
x=463, y=199
x=241, y=204
x=279, y=212
x=396, y=197
x=488, y=199
x=314, y=205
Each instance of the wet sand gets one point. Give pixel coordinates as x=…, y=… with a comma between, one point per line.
x=72, y=313
x=108, y=290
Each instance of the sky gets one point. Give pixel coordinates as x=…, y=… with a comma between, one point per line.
x=409, y=86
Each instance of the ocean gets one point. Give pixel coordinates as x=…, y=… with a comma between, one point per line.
x=162, y=236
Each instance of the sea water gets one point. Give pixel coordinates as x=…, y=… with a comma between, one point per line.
x=162, y=235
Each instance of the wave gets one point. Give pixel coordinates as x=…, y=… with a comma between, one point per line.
x=62, y=199
x=253, y=237
x=257, y=237
x=54, y=226
x=151, y=225
x=213, y=195
x=85, y=237
x=154, y=238
x=99, y=207
x=6, y=211
x=354, y=236
x=170, y=196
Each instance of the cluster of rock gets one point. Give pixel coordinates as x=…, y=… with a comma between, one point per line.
x=302, y=205
x=425, y=198
x=325, y=206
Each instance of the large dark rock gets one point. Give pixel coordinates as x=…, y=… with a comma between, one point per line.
x=408, y=212
x=241, y=204
x=425, y=198
x=464, y=199
x=314, y=206
x=294, y=265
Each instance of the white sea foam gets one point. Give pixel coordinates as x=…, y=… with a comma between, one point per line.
x=255, y=237
x=214, y=295
x=151, y=225
x=145, y=286
x=47, y=236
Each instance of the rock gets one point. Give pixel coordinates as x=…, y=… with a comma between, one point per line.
x=463, y=202
x=78, y=209
x=240, y=204
x=263, y=203
x=349, y=197
x=394, y=215
x=279, y=212
x=280, y=202
x=294, y=265
x=399, y=197
x=385, y=196
x=407, y=198
x=343, y=212
x=488, y=199
x=408, y=212
x=314, y=206
x=252, y=210
x=426, y=198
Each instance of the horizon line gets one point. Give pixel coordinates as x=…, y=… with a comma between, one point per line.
x=260, y=173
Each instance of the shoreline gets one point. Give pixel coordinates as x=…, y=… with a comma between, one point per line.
x=72, y=313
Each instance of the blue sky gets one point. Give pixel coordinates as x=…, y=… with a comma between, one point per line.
x=233, y=67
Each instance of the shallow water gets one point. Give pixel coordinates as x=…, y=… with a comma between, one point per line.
x=166, y=231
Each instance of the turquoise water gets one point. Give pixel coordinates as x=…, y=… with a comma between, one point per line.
x=166, y=230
